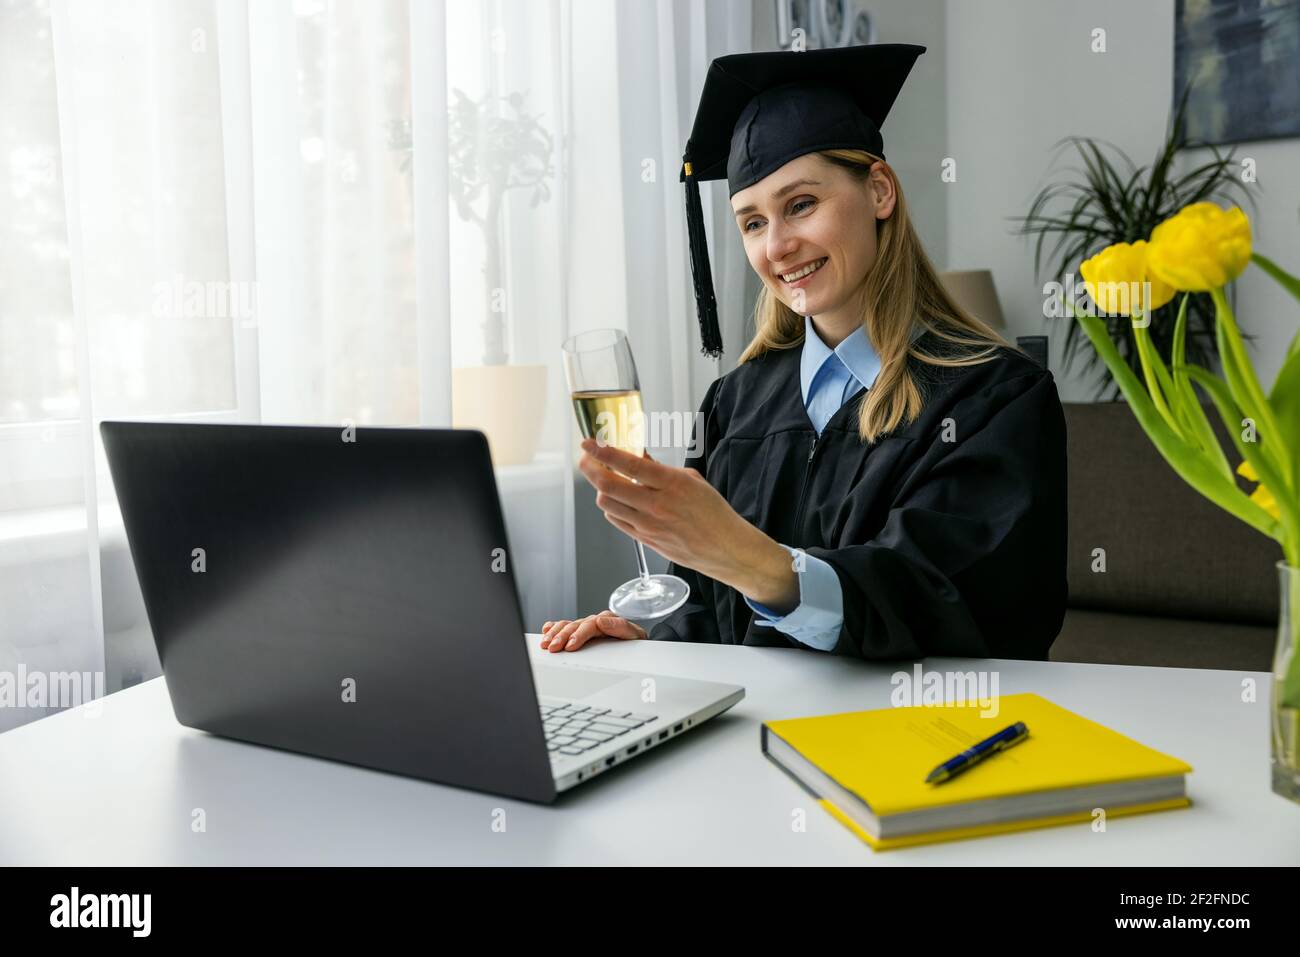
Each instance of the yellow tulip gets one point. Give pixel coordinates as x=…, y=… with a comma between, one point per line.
x=1261, y=496
x=1200, y=248
x=1114, y=279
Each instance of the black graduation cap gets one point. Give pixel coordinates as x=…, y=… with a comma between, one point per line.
x=759, y=111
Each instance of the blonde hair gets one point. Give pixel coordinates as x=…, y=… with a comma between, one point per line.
x=901, y=292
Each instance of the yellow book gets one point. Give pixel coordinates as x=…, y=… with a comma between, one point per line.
x=868, y=768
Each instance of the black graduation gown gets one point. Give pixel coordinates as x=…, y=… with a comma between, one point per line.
x=941, y=547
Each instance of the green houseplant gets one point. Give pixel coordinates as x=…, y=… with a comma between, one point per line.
x=495, y=147
x=489, y=155
x=1116, y=201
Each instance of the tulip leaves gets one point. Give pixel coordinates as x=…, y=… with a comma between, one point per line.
x=1199, y=468
x=1195, y=422
x=1292, y=285
x=1285, y=401
x=1203, y=248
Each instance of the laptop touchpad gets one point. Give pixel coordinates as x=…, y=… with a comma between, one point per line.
x=573, y=683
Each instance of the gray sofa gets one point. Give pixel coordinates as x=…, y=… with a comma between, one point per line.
x=1185, y=584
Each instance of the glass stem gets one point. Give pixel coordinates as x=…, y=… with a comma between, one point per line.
x=642, y=572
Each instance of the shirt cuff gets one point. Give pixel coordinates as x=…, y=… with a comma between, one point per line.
x=817, y=619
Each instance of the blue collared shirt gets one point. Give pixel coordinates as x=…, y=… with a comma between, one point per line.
x=828, y=378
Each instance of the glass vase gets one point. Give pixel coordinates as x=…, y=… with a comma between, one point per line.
x=1285, y=730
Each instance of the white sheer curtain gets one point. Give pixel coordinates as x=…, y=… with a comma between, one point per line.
x=264, y=211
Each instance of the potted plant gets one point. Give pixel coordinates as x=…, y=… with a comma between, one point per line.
x=489, y=155
x=1201, y=250
x=1116, y=201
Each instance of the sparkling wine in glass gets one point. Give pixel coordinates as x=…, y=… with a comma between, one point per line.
x=607, y=400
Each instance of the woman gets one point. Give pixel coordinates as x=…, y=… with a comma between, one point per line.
x=881, y=475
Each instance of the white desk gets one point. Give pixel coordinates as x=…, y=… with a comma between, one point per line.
x=120, y=788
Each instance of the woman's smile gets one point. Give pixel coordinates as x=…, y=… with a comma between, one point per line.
x=800, y=277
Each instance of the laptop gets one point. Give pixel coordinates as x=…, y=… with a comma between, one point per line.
x=348, y=593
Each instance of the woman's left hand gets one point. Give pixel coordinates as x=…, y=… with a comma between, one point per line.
x=675, y=511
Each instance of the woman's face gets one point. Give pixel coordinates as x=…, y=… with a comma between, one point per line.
x=812, y=213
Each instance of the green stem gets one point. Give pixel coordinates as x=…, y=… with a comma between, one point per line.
x=1246, y=389
x=1188, y=402
x=1228, y=410
x=1289, y=679
x=1192, y=465
x=1287, y=281
x=1287, y=533
x=1157, y=377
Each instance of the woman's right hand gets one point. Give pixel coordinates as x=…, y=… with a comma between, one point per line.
x=572, y=635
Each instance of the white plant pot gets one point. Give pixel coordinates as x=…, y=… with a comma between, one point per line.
x=506, y=403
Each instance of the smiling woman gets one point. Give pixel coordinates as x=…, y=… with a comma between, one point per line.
x=881, y=476
x=815, y=259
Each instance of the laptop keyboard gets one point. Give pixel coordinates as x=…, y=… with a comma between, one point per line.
x=574, y=728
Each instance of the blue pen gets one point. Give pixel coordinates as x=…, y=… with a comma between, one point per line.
x=978, y=752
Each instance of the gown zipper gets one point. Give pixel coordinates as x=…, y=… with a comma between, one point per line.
x=808, y=464
x=803, y=489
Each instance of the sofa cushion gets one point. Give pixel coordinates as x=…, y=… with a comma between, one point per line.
x=1168, y=550
x=1104, y=637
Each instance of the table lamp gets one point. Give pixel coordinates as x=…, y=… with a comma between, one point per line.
x=973, y=291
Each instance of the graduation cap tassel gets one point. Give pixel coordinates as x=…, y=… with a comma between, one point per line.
x=705, y=304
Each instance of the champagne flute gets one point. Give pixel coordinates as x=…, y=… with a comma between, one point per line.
x=607, y=399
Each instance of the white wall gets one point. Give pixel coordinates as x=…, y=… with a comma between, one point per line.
x=916, y=130
x=1020, y=76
